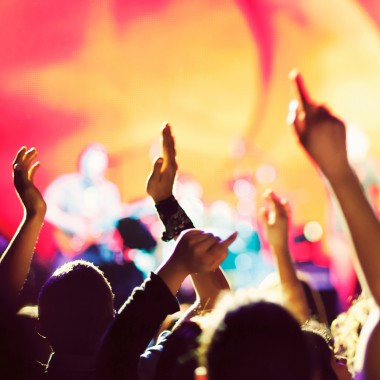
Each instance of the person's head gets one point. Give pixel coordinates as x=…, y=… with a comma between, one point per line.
x=75, y=307
x=325, y=364
x=320, y=356
x=93, y=161
x=178, y=360
x=347, y=328
x=255, y=340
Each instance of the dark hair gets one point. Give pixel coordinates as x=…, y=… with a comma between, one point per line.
x=178, y=360
x=320, y=355
x=75, y=307
x=259, y=340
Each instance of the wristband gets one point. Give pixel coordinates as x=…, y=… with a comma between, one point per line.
x=173, y=217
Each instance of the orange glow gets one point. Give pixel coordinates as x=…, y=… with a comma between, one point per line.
x=113, y=71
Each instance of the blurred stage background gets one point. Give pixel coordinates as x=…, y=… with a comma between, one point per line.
x=74, y=72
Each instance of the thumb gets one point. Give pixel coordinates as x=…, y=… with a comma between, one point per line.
x=32, y=171
x=226, y=243
x=157, y=168
x=263, y=214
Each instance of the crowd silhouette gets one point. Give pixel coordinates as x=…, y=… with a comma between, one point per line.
x=75, y=331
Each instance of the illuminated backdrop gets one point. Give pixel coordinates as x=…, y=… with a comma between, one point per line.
x=74, y=72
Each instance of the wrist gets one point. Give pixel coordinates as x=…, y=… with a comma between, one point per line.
x=173, y=217
x=162, y=197
x=172, y=273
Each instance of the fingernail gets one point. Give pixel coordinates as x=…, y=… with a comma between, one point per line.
x=293, y=74
x=267, y=193
x=293, y=105
x=292, y=114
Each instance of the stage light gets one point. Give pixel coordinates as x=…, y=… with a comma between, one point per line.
x=246, y=207
x=357, y=144
x=265, y=174
x=244, y=228
x=243, y=188
x=237, y=246
x=313, y=231
x=243, y=262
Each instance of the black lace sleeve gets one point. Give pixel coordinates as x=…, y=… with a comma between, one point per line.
x=173, y=217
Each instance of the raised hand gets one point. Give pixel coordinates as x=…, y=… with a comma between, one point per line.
x=16, y=259
x=200, y=252
x=275, y=219
x=195, y=252
x=322, y=135
x=161, y=180
x=23, y=177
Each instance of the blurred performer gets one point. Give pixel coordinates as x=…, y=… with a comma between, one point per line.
x=84, y=208
x=89, y=222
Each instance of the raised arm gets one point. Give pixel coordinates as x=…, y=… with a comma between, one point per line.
x=275, y=219
x=160, y=187
x=15, y=261
x=142, y=314
x=195, y=252
x=323, y=137
x=160, y=181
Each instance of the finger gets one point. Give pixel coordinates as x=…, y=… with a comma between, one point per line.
x=30, y=155
x=263, y=214
x=156, y=172
x=267, y=193
x=299, y=124
x=279, y=205
x=322, y=112
x=169, y=152
x=302, y=93
x=168, y=146
x=208, y=243
x=169, y=136
x=227, y=242
x=286, y=207
x=276, y=201
x=284, y=202
x=273, y=218
x=269, y=196
x=33, y=170
x=192, y=234
x=19, y=156
x=292, y=111
x=217, y=259
x=203, y=237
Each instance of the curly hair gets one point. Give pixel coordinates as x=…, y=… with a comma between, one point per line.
x=347, y=326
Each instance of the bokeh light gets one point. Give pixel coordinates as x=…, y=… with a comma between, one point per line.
x=313, y=231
